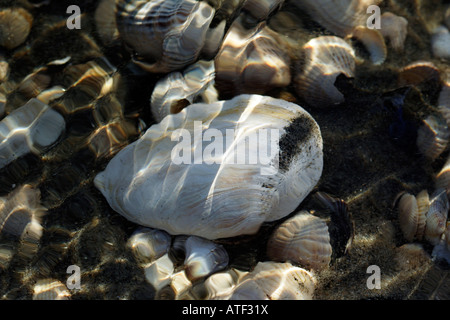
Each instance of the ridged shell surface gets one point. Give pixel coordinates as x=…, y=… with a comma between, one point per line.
x=302, y=239
x=408, y=215
x=170, y=179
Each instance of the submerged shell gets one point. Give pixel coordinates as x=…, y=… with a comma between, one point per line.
x=408, y=216
x=437, y=217
x=220, y=286
x=179, y=89
x=159, y=272
x=105, y=21
x=15, y=25
x=275, y=281
x=261, y=9
x=339, y=17
x=423, y=205
x=374, y=43
x=50, y=289
x=394, y=28
x=418, y=72
x=202, y=189
x=251, y=61
x=34, y=127
x=440, y=43
x=149, y=244
x=433, y=136
x=203, y=257
x=326, y=57
x=302, y=239
x=168, y=34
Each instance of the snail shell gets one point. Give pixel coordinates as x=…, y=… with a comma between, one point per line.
x=169, y=34
x=326, y=57
x=394, y=28
x=50, y=289
x=215, y=195
x=179, y=89
x=15, y=25
x=275, y=281
x=251, y=61
x=303, y=240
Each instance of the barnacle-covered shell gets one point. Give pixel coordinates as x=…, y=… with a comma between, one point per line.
x=394, y=28
x=433, y=136
x=302, y=239
x=275, y=281
x=179, y=89
x=339, y=17
x=149, y=244
x=168, y=34
x=34, y=127
x=207, y=191
x=418, y=72
x=50, y=289
x=15, y=25
x=251, y=61
x=436, y=217
x=440, y=42
x=326, y=57
x=203, y=257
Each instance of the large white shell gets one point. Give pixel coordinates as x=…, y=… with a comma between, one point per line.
x=275, y=281
x=302, y=239
x=252, y=61
x=169, y=33
x=34, y=127
x=179, y=89
x=326, y=57
x=213, y=194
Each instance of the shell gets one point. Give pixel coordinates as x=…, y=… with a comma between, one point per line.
x=105, y=21
x=408, y=216
x=179, y=89
x=203, y=257
x=443, y=177
x=303, y=240
x=179, y=286
x=50, y=289
x=168, y=34
x=444, y=98
x=440, y=42
x=423, y=205
x=210, y=193
x=220, y=286
x=261, y=9
x=40, y=127
x=149, y=244
x=339, y=17
x=394, y=28
x=433, y=136
x=418, y=72
x=252, y=61
x=436, y=217
x=275, y=281
x=373, y=41
x=15, y=25
x=159, y=272
x=326, y=57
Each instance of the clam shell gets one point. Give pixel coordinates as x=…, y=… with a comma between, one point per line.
x=203, y=257
x=418, y=72
x=50, y=289
x=15, y=25
x=275, y=281
x=326, y=57
x=149, y=244
x=339, y=17
x=251, y=61
x=433, y=136
x=374, y=43
x=168, y=34
x=179, y=89
x=440, y=42
x=209, y=193
x=394, y=28
x=423, y=205
x=436, y=217
x=303, y=240
x=408, y=216
x=40, y=127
